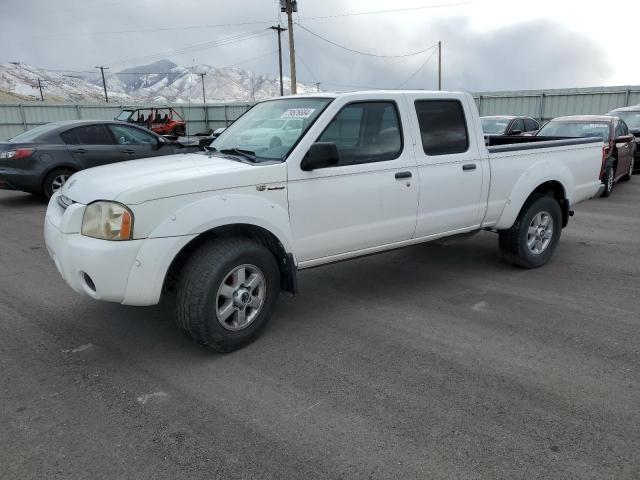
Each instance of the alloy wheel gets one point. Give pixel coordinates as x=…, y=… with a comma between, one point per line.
x=240, y=297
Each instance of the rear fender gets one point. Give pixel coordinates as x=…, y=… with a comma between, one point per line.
x=532, y=178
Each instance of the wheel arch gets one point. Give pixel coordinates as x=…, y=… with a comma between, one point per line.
x=544, y=187
x=256, y=233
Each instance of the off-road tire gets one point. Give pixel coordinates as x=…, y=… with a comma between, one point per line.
x=198, y=284
x=513, y=242
x=48, y=184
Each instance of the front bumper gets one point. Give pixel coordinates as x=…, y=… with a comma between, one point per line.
x=129, y=272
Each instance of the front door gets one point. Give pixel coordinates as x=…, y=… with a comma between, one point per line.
x=136, y=143
x=370, y=198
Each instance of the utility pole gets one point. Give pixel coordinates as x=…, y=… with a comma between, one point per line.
x=204, y=101
x=104, y=82
x=439, y=65
x=40, y=87
x=290, y=6
x=279, y=30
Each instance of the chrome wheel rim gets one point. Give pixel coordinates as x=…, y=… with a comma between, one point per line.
x=540, y=232
x=610, y=180
x=58, y=182
x=240, y=297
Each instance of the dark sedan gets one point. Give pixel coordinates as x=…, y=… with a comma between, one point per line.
x=40, y=160
x=509, y=125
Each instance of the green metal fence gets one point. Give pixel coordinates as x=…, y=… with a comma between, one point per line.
x=541, y=104
x=19, y=117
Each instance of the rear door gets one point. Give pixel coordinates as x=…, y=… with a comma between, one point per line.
x=135, y=143
x=91, y=145
x=517, y=127
x=450, y=167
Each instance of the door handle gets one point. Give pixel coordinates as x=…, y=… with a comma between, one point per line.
x=469, y=166
x=401, y=175
x=80, y=150
x=130, y=152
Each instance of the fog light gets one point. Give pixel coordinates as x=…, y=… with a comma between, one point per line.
x=88, y=282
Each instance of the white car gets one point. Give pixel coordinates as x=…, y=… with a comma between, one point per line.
x=224, y=232
x=271, y=133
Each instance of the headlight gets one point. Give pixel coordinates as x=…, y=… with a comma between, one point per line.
x=107, y=221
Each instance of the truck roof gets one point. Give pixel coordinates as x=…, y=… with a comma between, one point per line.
x=371, y=92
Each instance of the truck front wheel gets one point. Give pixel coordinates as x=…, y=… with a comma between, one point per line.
x=533, y=238
x=226, y=292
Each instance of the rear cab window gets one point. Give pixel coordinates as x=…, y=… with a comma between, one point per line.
x=443, y=126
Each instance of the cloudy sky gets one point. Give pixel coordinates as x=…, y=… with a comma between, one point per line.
x=487, y=44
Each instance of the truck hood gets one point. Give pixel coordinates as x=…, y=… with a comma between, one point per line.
x=138, y=181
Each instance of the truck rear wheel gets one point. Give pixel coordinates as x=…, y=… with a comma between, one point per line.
x=226, y=293
x=533, y=238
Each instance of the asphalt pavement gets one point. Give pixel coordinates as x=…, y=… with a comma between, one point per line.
x=423, y=363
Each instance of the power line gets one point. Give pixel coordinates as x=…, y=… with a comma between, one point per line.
x=196, y=47
x=365, y=53
x=255, y=22
x=418, y=70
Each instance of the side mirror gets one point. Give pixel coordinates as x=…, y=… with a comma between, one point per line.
x=516, y=132
x=320, y=155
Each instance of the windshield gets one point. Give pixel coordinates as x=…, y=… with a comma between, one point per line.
x=33, y=134
x=632, y=119
x=575, y=130
x=124, y=115
x=270, y=129
x=494, y=126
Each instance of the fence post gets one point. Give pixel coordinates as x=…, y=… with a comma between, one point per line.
x=24, y=118
x=541, y=112
x=626, y=98
x=480, y=105
x=225, y=116
x=78, y=112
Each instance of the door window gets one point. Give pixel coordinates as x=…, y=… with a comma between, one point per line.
x=365, y=132
x=518, y=125
x=87, y=135
x=620, y=129
x=131, y=136
x=530, y=125
x=442, y=127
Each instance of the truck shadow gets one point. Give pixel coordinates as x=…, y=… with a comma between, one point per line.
x=18, y=200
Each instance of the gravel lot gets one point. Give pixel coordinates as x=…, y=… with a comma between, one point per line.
x=428, y=362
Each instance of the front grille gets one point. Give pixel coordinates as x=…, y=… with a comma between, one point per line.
x=65, y=202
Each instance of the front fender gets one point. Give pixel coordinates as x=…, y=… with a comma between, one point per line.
x=532, y=178
x=267, y=209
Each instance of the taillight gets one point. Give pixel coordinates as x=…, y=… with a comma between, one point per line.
x=18, y=153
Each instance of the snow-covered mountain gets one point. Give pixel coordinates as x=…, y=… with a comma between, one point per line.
x=162, y=81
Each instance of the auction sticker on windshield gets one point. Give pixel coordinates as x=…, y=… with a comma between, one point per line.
x=298, y=113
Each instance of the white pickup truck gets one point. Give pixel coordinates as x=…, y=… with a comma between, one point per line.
x=223, y=232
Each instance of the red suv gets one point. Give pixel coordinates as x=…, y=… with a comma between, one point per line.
x=618, y=151
x=161, y=120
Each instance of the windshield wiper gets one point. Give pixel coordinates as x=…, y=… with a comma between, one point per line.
x=248, y=154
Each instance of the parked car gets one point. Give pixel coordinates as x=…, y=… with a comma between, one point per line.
x=41, y=160
x=223, y=233
x=271, y=133
x=618, y=151
x=509, y=125
x=631, y=116
x=161, y=120
x=201, y=141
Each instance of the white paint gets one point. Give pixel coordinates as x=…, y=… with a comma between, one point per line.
x=81, y=348
x=143, y=399
x=480, y=306
x=308, y=408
